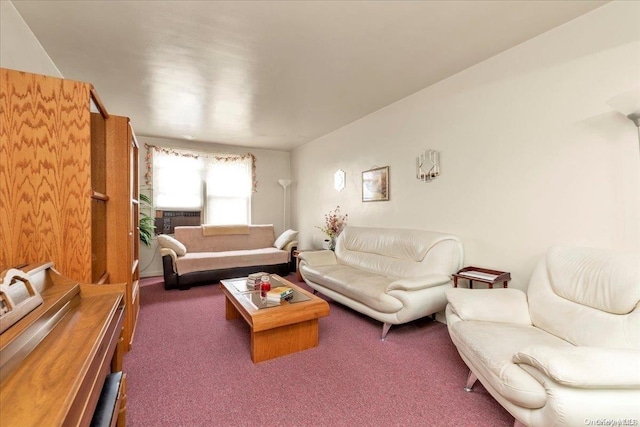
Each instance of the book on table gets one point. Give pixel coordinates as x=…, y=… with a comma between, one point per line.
x=279, y=293
x=252, y=278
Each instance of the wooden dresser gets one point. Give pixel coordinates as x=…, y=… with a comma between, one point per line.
x=55, y=361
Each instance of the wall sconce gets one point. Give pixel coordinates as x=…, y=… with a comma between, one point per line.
x=339, y=180
x=428, y=165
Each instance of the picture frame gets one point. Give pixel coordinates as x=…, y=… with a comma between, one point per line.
x=375, y=184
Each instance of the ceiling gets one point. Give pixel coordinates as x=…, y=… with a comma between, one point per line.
x=274, y=74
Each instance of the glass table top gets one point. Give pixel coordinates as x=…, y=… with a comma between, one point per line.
x=253, y=296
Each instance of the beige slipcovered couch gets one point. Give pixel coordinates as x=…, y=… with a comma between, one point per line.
x=566, y=352
x=206, y=254
x=392, y=275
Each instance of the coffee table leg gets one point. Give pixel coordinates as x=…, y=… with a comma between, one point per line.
x=230, y=312
x=284, y=340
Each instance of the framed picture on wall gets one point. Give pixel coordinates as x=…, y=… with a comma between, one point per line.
x=375, y=184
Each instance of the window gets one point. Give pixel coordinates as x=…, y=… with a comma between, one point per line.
x=177, y=182
x=228, y=192
x=219, y=185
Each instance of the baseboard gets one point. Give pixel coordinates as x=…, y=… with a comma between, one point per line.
x=151, y=273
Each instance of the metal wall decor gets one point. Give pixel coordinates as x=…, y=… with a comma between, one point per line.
x=428, y=165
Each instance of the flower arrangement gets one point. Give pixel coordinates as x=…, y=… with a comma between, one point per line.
x=334, y=223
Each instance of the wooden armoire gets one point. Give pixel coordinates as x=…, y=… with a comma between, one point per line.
x=123, y=252
x=68, y=195
x=68, y=184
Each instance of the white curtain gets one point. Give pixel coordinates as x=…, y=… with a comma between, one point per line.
x=219, y=185
x=177, y=181
x=229, y=188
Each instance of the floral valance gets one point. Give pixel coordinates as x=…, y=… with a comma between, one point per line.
x=198, y=155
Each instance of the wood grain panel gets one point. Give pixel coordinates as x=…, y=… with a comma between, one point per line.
x=272, y=343
x=280, y=330
x=45, y=173
x=122, y=211
x=58, y=382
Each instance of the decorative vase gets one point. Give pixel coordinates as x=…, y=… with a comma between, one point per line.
x=329, y=244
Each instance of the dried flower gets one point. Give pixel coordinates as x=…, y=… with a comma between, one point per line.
x=334, y=223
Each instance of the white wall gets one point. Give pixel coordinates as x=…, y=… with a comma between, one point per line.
x=19, y=47
x=267, y=202
x=532, y=155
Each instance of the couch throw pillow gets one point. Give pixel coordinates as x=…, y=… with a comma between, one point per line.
x=285, y=238
x=171, y=243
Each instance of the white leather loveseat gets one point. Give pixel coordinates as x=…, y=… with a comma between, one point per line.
x=566, y=353
x=392, y=275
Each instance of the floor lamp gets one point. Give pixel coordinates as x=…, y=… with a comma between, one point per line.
x=285, y=183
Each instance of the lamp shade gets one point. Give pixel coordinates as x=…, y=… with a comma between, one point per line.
x=284, y=182
x=628, y=103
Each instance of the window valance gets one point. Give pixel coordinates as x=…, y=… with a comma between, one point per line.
x=215, y=157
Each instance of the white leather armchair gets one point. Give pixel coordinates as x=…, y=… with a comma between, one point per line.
x=566, y=353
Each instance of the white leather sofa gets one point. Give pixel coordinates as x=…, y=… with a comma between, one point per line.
x=392, y=275
x=566, y=353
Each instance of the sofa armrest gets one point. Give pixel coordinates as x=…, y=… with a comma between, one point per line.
x=585, y=367
x=314, y=258
x=290, y=247
x=172, y=254
x=417, y=283
x=490, y=305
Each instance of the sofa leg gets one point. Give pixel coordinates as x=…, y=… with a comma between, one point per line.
x=471, y=380
x=385, y=330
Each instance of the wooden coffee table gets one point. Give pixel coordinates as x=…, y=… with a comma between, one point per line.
x=275, y=330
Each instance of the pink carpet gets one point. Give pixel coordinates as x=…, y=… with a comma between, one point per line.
x=191, y=367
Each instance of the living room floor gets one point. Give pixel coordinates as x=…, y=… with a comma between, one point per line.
x=191, y=367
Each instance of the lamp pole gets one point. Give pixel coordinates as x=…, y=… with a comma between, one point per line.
x=285, y=183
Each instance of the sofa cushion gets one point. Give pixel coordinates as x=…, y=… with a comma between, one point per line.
x=286, y=237
x=219, y=230
x=596, y=278
x=565, y=305
x=365, y=287
x=166, y=241
x=260, y=236
x=493, y=358
x=399, y=253
x=205, y=261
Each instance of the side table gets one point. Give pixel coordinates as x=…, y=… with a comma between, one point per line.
x=483, y=275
